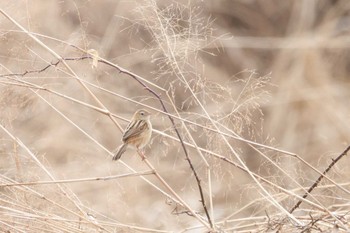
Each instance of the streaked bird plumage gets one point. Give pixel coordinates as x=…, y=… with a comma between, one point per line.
x=137, y=134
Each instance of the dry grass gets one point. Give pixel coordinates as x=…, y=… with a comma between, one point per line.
x=255, y=98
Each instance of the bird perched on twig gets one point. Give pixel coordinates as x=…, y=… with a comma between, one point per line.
x=137, y=134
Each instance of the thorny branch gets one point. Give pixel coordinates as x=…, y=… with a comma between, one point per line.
x=45, y=68
x=135, y=77
x=314, y=185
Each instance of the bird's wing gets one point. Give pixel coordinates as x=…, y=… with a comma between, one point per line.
x=134, y=129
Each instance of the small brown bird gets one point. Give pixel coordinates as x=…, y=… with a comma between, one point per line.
x=137, y=134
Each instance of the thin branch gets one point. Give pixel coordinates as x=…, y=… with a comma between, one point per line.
x=37, y=71
x=314, y=185
x=21, y=144
x=104, y=178
x=192, y=213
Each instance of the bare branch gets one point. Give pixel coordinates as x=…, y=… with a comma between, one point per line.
x=315, y=184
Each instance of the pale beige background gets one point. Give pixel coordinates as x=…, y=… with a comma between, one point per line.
x=300, y=48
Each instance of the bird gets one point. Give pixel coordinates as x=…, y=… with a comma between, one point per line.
x=137, y=134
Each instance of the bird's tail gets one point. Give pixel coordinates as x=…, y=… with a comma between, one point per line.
x=120, y=151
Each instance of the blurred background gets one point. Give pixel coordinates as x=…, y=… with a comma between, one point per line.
x=274, y=72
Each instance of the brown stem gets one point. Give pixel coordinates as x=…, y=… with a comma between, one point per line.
x=314, y=185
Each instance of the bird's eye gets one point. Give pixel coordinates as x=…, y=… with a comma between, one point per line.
x=142, y=113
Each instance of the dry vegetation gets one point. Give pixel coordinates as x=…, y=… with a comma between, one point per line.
x=250, y=103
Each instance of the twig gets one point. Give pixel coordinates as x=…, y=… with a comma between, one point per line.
x=314, y=185
x=45, y=68
x=21, y=144
x=80, y=180
x=169, y=188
